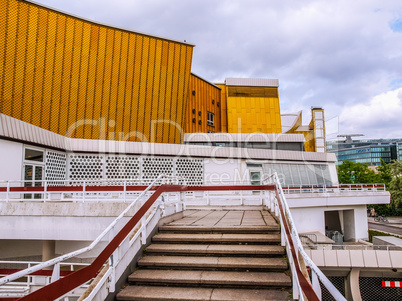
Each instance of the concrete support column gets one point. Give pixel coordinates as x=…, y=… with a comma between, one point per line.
x=48, y=250
x=352, y=285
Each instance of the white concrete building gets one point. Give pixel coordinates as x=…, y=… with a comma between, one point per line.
x=35, y=155
x=49, y=223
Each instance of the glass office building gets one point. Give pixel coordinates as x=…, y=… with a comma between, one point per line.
x=367, y=151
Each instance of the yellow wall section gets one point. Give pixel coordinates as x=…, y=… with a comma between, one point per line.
x=309, y=145
x=224, y=107
x=205, y=98
x=86, y=80
x=309, y=135
x=253, y=114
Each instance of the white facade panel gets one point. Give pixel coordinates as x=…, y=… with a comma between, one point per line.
x=11, y=154
x=354, y=226
x=314, y=222
x=222, y=172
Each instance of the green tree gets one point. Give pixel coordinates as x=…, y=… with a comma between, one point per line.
x=385, y=172
x=395, y=187
x=356, y=173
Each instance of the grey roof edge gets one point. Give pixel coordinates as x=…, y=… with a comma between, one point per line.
x=303, y=128
x=252, y=82
x=203, y=79
x=243, y=137
x=108, y=25
x=49, y=139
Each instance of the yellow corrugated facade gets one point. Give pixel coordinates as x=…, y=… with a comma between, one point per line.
x=203, y=97
x=224, y=107
x=86, y=80
x=252, y=109
x=310, y=131
x=309, y=145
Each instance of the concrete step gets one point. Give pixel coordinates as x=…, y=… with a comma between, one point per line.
x=156, y=293
x=207, y=256
x=213, y=249
x=217, y=238
x=214, y=263
x=218, y=229
x=211, y=278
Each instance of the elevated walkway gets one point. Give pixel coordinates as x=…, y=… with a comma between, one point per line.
x=213, y=255
x=220, y=254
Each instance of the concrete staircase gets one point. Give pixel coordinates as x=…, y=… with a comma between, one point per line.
x=211, y=263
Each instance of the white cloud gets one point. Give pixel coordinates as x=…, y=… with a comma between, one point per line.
x=381, y=117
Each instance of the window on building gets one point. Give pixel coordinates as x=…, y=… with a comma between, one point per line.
x=318, y=115
x=33, y=155
x=300, y=174
x=319, y=124
x=211, y=118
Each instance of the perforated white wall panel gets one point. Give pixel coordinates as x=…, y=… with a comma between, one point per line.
x=122, y=168
x=86, y=167
x=152, y=167
x=55, y=168
x=192, y=170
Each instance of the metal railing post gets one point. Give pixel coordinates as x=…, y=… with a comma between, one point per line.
x=295, y=280
x=45, y=194
x=113, y=259
x=8, y=191
x=143, y=231
x=315, y=283
x=83, y=191
x=125, y=191
x=56, y=272
x=283, y=237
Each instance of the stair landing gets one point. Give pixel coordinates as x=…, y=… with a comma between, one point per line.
x=216, y=219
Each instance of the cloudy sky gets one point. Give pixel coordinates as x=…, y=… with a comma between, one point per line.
x=343, y=55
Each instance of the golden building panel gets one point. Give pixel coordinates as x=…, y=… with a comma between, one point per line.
x=203, y=97
x=250, y=114
x=86, y=80
x=223, y=107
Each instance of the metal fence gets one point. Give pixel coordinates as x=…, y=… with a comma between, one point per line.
x=372, y=289
x=339, y=283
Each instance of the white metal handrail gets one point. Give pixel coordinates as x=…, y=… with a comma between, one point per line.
x=73, y=190
x=20, y=289
x=339, y=188
x=109, y=272
x=56, y=261
x=314, y=246
x=316, y=272
x=63, y=190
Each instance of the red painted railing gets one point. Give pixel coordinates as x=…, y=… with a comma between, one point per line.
x=304, y=282
x=76, y=278
x=62, y=286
